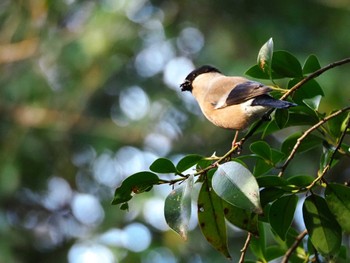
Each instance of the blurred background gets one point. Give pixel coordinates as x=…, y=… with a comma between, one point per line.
x=89, y=94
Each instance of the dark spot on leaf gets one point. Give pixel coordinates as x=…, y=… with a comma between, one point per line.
x=226, y=210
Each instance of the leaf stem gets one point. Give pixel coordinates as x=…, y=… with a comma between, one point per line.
x=306, y=133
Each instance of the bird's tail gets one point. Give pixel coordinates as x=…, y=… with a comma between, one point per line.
x=268, y=101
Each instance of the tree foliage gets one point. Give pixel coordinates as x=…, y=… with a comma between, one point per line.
x=263, y=199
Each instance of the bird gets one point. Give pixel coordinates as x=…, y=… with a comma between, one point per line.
x=230, y=102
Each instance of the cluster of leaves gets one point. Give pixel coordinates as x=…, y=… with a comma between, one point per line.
x=264, y=199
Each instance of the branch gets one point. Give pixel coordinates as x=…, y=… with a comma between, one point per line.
x=294, y=246
x=328, y=166
x=306, y=133
x=245, y=248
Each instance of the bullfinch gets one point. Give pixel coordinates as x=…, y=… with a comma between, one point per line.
x=230, y=102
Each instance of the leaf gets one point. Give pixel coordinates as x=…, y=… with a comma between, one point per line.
x=300, y=180
x=281, y=117
x=270, y=180
x=256, y=72
x=265, y=57
x=258, y=244
x=241, y=218
x=308, y=143
x=177, y=208
x=311, y=64
x=281, y=214
x=309, y=90
x=335, y=124
x=163, y=165
x=188, y=161
x=262, y=149
x=338, y=200
x=285, y=64
x=134, y=184
x=313, y=103
x=211, y=218
x=270, y=194
x=323, y=229
x=235, y=184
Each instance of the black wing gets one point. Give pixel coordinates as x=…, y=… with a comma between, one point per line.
x=246, y=91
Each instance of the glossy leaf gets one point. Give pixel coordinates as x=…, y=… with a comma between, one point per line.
x=308, y=143
x=285, y=64
x=188, y=161
x=281, y=214
x=270, y=180
x=134, y=184
x=262, y=149
x=311, y=64
x=265, y=57
x=300, y=180
x=177, y=208
x=236, y=184
x=322, y=227
x=163, y=165
x=281, y=117
x=309, y=90
x=211, y=218
x=241, y=218
x=313, y=103
x=258, y=244
x=270, y=194
x=335, y=124
x=256, y=72
x=338, y=200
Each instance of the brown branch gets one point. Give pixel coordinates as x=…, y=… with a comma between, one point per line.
x=245, y=248
x=306, y=133
x=294, y=246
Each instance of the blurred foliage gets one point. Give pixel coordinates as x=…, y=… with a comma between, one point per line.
x=89, y=95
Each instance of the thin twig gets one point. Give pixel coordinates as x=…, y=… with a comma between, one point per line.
x=294, y=246
x=245, y=248
x=306, y=133
x=329, y=164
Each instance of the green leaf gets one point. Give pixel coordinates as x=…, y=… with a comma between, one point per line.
x=311, y=64
x=235, y=184
x=300, y=180
x=335, y=124
x=134, y=184
x=270, y=194
x=338, y=200
x=211, y=218
x=281, y=117
x=271, y=180
x=265, y=57
x=258, y=244
x=262, y=149
x=256, y=72
x=313, y=103
x=285, y=64
x=322, y=227
x=241, y=218
x=177, y=208
x=309, y=90
x=163, y=165
x=188, y=161
x=281, y=214
x=308, y=143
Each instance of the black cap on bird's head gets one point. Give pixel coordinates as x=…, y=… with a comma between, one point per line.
x=187, y=84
